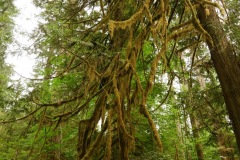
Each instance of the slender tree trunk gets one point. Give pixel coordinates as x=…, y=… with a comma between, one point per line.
x=195, y=126
x=226, y=65
x=188, y=152
x=179, y=152
x=196, y=136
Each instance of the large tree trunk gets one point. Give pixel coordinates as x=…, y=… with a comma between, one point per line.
x=226, y=65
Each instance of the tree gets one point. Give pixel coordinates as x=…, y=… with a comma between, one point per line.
x=7, y=10
x=226, y=63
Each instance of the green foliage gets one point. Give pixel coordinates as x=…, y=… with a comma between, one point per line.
x=232, y=26
x=7, y=10
x=84, y=75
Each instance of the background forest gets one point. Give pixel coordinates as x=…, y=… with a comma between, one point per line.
x=125, y=79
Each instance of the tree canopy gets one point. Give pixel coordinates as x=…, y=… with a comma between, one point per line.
x=127, y=80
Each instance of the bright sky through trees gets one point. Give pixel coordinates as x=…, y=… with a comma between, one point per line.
x=25, y=22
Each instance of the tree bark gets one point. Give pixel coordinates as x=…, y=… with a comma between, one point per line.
x=226, y=65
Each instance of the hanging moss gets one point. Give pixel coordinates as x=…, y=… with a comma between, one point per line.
x=196, y=23
x=215, y=4
x=113, y=25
